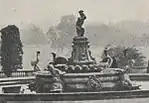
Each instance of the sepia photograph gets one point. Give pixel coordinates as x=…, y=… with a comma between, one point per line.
x=74, y=51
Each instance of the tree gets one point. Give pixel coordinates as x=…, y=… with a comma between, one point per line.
x=11, y=49
x=132, y=53
x=61, y=35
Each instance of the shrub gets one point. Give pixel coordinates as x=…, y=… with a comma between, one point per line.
x=130, y=53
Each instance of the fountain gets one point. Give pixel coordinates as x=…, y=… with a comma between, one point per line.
x=81, y=72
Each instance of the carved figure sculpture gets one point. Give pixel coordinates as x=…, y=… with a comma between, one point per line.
x=57, y=85
x=79, y=29
x=94, y=84
x=35, y=63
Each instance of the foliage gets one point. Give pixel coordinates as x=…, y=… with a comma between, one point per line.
x=132, y=53
x=11, y=49
x=61, y=35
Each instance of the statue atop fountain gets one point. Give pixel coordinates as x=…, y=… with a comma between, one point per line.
x=80, y=49
x=79, y=29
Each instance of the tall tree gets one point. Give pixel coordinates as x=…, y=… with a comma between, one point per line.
x=11, y=49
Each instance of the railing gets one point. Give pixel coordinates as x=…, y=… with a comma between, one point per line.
x=13, y=84
x=139, y=69
x=18, y=73
x=139, y=76
x=15, y=80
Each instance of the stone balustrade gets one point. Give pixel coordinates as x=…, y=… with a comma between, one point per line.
x=13, y=84
x=18, y=73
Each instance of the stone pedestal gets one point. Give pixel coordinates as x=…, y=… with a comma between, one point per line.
x=81, y=54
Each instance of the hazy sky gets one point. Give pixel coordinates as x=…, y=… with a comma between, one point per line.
x=46, y=12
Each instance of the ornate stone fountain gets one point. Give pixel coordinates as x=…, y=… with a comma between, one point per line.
x=81, y=63
x=80, y=52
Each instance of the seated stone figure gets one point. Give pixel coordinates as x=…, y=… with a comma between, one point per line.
x=57, y=85
x=130, y=66
x=114, y=63
x=106, y=60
